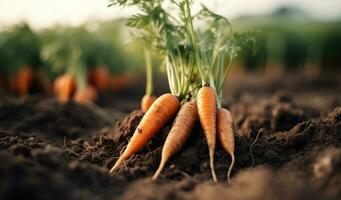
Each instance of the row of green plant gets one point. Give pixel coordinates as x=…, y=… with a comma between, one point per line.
x=290, y=40
x=86, y=55
x=56, y=48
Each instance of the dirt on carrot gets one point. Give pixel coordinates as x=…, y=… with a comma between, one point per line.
x=45, y=144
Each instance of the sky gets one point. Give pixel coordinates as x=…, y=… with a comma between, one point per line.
x=45, y=13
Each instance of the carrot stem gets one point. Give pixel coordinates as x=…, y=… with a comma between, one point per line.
x=149, y=71
x=227, y=72
x=190, y=28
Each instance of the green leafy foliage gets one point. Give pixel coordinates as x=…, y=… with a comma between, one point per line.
x=19, y=47
x=77, y=50
x=191, y=55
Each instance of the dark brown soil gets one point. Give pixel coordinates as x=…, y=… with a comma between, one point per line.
x=54, y=151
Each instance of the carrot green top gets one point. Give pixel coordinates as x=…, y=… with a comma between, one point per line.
x=74, y=51
x=19, y=47
x=193, y=56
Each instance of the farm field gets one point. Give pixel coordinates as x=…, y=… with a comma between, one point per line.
x=170, y=99
x=52, y=150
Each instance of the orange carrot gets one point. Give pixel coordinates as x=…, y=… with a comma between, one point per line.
x=146, y=102
x=24, y=80
x=207, y=108
x=100, y=78
x=162, y=110
x=225, y=133
x=85, y=95
x=56, y=85
x=64, y=87
x=179, y=133
x=119, y=82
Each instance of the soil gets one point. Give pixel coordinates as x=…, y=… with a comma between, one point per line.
x=64, y=151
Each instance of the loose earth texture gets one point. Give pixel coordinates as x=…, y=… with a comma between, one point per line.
x=64, y=151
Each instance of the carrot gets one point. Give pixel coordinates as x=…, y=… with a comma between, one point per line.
x=119, y=82
x=64, y=87
x=162, y=110
x=179, y=133
x=100, y=78
x=225, y=133
x=24, y=80
x=146, y=102
x=57, y=84
x=86, y=94
x=207, y=108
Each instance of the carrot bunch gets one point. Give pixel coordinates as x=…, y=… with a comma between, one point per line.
x=68, y=55
x=68, y=86
x=197, y=68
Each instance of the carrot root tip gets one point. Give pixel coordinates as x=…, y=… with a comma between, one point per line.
x=116, y=165
x=230, y=168
x=159, y=170
x=214, y=176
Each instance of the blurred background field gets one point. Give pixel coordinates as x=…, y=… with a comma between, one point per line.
x=291, y=38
